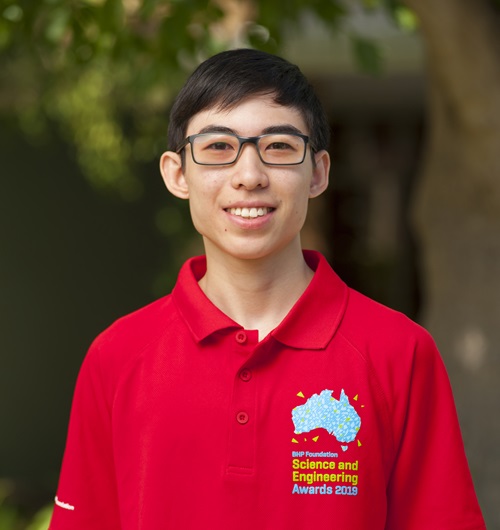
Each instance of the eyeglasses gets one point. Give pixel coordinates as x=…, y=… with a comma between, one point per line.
x=223, y=149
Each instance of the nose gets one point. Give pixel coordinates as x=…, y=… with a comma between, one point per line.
x=249, y=171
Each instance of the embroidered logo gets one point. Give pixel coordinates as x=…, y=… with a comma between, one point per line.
x=321, y=472
x=322, y=411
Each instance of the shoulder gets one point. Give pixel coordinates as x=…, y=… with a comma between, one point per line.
x=402, y=359
x=139, y=327
x=127, y=339
x=367, y=324
x=397, y=351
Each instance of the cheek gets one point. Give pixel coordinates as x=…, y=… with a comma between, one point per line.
x=203, y=206
x=301, y=202
x=200, y=211
x=301, y=211
x=301, y=215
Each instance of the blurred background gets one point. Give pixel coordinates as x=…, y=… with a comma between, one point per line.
x=88, y=232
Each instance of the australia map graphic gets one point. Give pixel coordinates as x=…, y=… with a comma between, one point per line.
x=322, y=411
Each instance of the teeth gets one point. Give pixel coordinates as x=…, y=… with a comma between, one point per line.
x=249, y=213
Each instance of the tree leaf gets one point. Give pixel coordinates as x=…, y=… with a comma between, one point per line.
x=406, y=18
x=57, y=25
x=367, y=55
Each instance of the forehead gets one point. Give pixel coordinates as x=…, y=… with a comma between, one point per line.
x=248, y=118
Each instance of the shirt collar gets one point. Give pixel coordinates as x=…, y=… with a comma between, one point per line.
x=310, y=324
x=201, y=316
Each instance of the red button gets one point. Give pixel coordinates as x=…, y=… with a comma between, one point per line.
x=241, y=337
x=242, y=418
x=245, y=375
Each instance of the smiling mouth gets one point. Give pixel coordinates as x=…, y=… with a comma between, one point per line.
x=249, y=213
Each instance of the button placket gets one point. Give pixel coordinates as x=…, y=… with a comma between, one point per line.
x=241, y=337
x=245, y=375
x=242, y=417
x=242, y=422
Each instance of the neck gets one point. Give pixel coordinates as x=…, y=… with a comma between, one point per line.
x=256, y=293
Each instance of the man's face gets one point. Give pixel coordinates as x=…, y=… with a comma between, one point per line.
x=247, y=210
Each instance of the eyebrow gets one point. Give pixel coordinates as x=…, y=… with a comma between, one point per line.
x=285, y=128
x=216, y=129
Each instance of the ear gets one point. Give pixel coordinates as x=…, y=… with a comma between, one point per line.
x=319, y=181
x=173, y=174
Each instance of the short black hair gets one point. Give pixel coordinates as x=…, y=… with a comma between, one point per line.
x=230, y=77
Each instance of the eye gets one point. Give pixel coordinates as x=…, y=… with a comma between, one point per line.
x=281, y=143
x=219, y=146
x=280, y=146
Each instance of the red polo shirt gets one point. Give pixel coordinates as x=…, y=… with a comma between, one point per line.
x=341, y=418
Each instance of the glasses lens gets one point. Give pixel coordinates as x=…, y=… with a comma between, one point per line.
x=282, y=149
x=215, y=148
x=276, y=149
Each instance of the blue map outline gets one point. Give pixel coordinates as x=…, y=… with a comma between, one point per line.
x=322, y=411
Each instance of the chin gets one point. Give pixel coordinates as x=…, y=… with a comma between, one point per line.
x=253, y=252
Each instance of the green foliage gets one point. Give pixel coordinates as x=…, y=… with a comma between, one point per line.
x=93, y=62
x=41, y=519
x=8, y=514
x=88, y=115
x=8, y=518
x=405, y=18
x=106, y=70
x=277, y=17
x=11, y=517
x=367, y=55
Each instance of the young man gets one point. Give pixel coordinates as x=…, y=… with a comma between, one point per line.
x=263, y=393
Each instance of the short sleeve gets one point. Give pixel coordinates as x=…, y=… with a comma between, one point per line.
x=430, y=485
x=86, y=496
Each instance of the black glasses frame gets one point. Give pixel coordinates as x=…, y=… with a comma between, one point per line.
x=245, y=140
